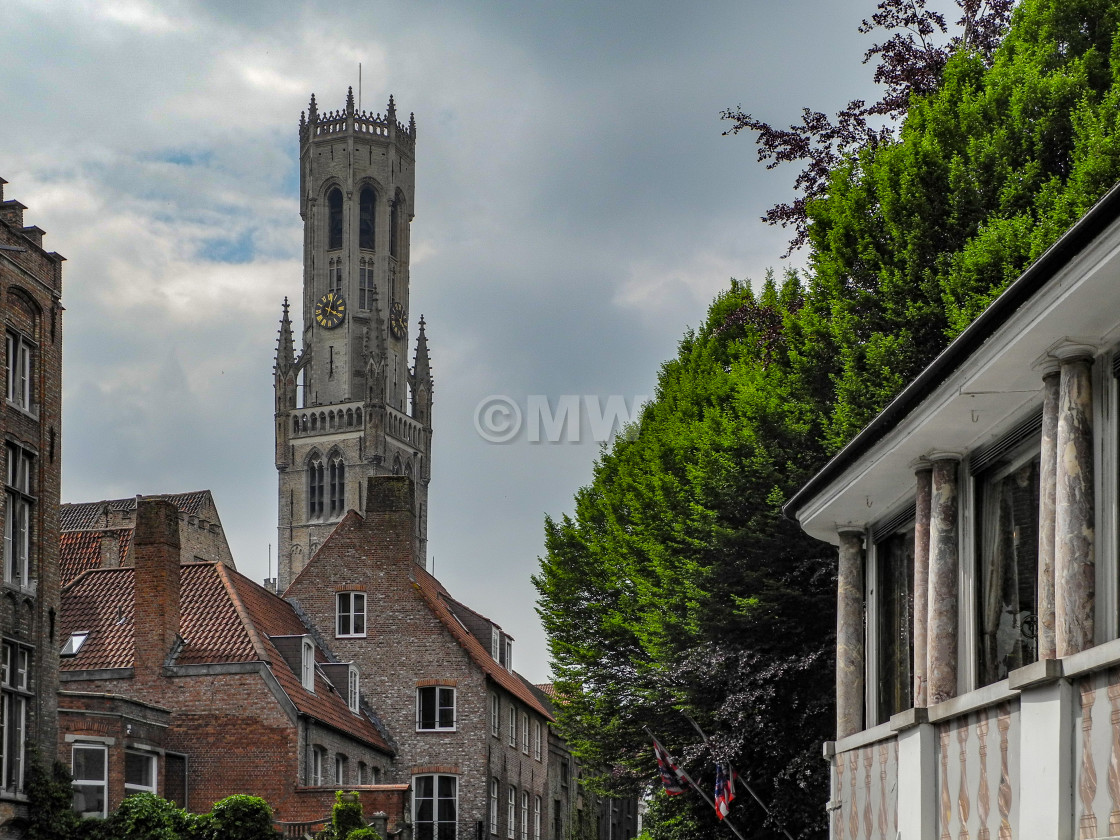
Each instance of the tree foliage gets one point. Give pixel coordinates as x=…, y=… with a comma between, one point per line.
x=676, y=584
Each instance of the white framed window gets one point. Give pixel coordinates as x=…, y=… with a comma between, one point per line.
x=363, y=773
x=512, y=726
x=315, y=775
x=435, y=708
x=15, y=671
x=89, y=765
x=339, y=769
x=495, y=642
x=18, y=516
x=494, y=806
x=139, y=772
x=307, y=663
x=536, y=818
x=435, y=806
x=21, y=352
x=525, y=733
x=74, y=644
x=353, y=695
x=495, y=716
x=350, y=614
x=509, y=654
x=536, y=739
x=511, y=813
x=524, y=815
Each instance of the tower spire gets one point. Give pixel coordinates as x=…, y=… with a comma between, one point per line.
x=421, y=367
x=285, y=345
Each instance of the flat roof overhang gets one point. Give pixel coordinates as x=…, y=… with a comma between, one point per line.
x=984, y=381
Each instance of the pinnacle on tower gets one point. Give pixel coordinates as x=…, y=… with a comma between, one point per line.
x=421, y=368
x=312, y=110
x=412, y=125
x=285, y=345
x=350, y=100
x=391, y=111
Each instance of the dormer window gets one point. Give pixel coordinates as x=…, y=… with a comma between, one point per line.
x=353, y=692
x=508, y=653
x=307, y=663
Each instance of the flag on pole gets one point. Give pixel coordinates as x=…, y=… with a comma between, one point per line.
x=725, y=789
x=673, y=778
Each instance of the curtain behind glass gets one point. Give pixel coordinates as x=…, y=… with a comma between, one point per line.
x=1008, y=570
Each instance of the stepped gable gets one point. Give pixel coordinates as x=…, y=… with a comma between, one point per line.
x=439, y=601
x=224, y=618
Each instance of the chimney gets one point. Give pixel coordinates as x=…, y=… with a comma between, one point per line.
x=155, y=548
x=391, y=514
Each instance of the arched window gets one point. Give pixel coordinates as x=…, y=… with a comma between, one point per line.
x=397, y=465
x=334, y=218
x=295, y=425
x=408, y=469
x=314, y=422
x=315, y=486
x=394, y=228
x=366, y=218
x=358, y=416
x=337, y=485
x=349, y=417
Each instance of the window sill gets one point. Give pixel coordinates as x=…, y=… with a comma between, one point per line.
x=435, y=731
x=350, y=635
x=30, y=589
x=12, y=796
x=32, y=412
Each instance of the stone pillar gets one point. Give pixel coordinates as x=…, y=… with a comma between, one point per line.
x=1074, y=569
x=922, y=502
x=1047, y=473
x=849, y=633
x=944, y=548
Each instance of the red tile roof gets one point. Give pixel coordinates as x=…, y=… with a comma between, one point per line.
x=80, y=551
x=224, y=617
x=436, y=597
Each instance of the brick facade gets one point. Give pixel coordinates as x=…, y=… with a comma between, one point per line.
x=415, y=641
x=30, y=421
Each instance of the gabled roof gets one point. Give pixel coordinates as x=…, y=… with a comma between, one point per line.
x=224, y=618
x=83, y=516
x=438, y=600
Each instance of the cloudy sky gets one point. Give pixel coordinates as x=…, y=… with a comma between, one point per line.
x=576, y=210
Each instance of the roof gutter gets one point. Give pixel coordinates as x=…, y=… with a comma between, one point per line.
x=1099, y=217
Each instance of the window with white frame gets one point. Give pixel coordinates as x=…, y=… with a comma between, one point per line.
x=509, y=654
x=495, y=716
x=339, y=769
x=89, y=766
x=21, y=353
x=536, y=818
x=435, y=708
x=307, y=665
x=495, y=642
x=511, y=813
x=536, y=739
x=20, y=507
x=525, y=733
x=524, y=815
x=1007, y=504
x=512, y=726
x=15, y=683
x=494, y=805
x=363, y=773
x=139, y=772
x=315, y=774
x=353, y=695
x=350, y=613
x=434, y=807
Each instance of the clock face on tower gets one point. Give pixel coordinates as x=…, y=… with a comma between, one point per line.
x=330, y=310
x=398, y=321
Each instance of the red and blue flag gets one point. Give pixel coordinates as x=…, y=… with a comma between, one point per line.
x=725, y=789
x=673, y=778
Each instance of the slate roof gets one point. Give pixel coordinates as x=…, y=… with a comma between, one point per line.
x=224, y=618
x=83, y=516
x=437, y=599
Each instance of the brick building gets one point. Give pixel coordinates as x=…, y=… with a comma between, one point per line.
x=471, y=736
x=31, y=424
x=99, y=534
x=189, y=680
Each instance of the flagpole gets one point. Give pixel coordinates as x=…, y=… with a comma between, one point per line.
x=703, y=795
x=735, y=776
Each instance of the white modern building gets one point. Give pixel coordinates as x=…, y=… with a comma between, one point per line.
x=978, y=628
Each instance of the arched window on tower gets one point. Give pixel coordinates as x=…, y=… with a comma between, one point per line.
x=394, y=228
x=334, y=218
x=337, y=485
x=315, y=487
x=366, y=218
x=397, y=465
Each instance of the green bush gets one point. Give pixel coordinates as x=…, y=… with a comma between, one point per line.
x=50, y=816
x=145, y=816
x=241, y=817
x=346, y=816
x=364, y=834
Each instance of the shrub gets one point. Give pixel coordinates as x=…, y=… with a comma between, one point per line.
x=346, y=816
x=50, y=816
x=364, y=834
x=145, y=816
x=241, y=817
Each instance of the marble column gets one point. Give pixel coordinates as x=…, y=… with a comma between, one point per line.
x=1047, y=472
x=849, y=634
x=922, y=501
x=944, y=550
x=1074, y=562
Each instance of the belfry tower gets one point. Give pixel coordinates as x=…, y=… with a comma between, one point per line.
x=347, y=404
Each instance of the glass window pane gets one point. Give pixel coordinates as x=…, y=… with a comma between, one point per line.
x=895, y=560
x=89, y=763
x=89, y=800
x=138, y=770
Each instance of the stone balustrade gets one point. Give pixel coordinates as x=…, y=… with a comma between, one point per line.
x=326, y=420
